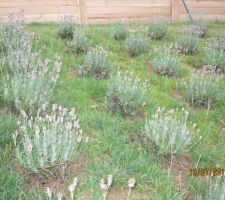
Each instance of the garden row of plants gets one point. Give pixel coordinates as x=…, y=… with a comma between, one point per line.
x=50, y=135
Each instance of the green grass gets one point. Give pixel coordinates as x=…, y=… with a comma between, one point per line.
x=111, y=149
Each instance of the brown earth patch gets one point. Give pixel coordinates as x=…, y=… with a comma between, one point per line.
x=150, y=68
x=180, y=168
x=57, y=182
x=137, y=118
x=73, y=73
x=177, y=94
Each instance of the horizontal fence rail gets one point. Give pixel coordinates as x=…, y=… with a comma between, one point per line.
x=96, y=11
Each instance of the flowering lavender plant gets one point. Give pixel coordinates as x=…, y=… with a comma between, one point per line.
x=168, y=131
x=12, y=31
x=120, y=32
x=96, y=64
x=216, y=190
x=198, y=29
x=157, y=30
x=126, y=94
x=66, y=28
x=48, y=139
x=188, y=44
x=30, y=90
x=202, y=90
x=215, y=58
x=166, y=64
x=79, y=44
x=136, y=45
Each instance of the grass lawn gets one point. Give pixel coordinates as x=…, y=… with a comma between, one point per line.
x=116, y=144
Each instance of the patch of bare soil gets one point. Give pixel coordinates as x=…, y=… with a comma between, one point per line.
x=180, y=167
x=117, y=194
x=177, y=94
x=73, y=73
x=137, y=118
x=56, y=183
x=150, y=68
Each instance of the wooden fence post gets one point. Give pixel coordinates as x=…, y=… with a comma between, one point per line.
x=82, y=11
x=175, y=10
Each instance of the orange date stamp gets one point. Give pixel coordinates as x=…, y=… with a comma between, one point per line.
x=207, y=172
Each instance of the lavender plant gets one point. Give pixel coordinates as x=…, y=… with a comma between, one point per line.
x=12, y=31
x=215, y=58
x=79, y=44
x=126, y=94
x=199, y=29
x=166, y=64
x=136, y=45
x=66, y=28
x=96, y=64
x=50, y=138
x=169, y=132
x=23, y=59
x=202, y=90
x=188, y=44
x=215, y=191
x=30, y=90
x=157, y=31
x=120, y=32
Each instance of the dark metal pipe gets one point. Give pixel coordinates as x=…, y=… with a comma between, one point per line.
x=189, y=14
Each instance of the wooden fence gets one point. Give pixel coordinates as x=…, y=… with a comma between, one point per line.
x=94, y=11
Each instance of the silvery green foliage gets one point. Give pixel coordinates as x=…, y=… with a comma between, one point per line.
x=219, y=43
x=48, y=139
x=126, y=94
x=215, y=191
x=120, y=32
x=169, y=131
x=79, y=44
x=188, y=44
x=28, y=91
x=66, y=28
x=136, y=45
x=215, y=58
x=157, y=30
x=23, y=59
x=166, y=64
x=202, y=90
x=12, y=31
x=96, y=64
x=199, y=29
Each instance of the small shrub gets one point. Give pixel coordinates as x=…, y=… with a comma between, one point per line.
x=215, y=58
x=48, y=139
x=79, y=44
x=168, y=131
x=126, y=94
x=136, y=45
x=29, y=91
x=219, y=43
x=199, y=29
x=215, y=191
x=157, y=31
x=166, y=64
x=120, y=32
x=202, y=90
x=22, y=59
x=96, y=64
x=188, y=44
x=12, y=32
x=66, y=28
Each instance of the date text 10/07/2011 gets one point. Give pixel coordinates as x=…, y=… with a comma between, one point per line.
x=207, y=172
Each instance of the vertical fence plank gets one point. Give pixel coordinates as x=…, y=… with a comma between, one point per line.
x=175, y=11
x=82, y=11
